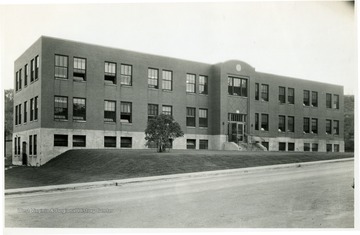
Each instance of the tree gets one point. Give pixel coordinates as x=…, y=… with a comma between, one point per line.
x=9, y=103
x=161, y=130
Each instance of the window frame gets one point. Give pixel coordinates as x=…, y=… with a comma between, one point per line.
x=257, y=91
x=314, y=126
x=108, y=143
x=79, y=74
x=291, y=124
x=153, y=81
x=257, y=123
x=240, y=90
x=336, y=127
x=126, y=145
x=191, y=83
x=150, y=109
x=203, y=119
x=291, y=95
x=282, y=123
x=190, y=119
x=265, y=92
x=110, y=114
x=109, y=76
x=306, y=125
x=167, y=112
x=124, y=104
x=82, y=116
x=124, y=76
x=66, y=68
x=328, y=126
x=306, y=98
x=79, y=141
x=165, y=80
x=66, y=116
x=328, y=100
x=203, y=84
x=282, y=95
x=336, y=100
x=264, y=125
x=59, y=142
x=190, y=142
x=314, y=96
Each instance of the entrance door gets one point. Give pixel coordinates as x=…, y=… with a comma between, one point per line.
x=236, y=132
x=24, y=154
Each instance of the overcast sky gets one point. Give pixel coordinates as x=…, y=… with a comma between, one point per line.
x=308, y=40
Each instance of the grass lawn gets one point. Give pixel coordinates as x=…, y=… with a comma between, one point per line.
x=76, y=166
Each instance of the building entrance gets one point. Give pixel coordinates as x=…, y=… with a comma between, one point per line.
x=236, y=132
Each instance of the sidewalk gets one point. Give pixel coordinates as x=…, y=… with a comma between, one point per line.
x=121, y=182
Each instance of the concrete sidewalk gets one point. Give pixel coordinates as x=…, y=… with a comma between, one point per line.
x=120, y=182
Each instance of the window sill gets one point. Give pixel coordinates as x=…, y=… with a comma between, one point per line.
x=109, y=84
x=203, y=94
x=190, y=93
x=81, y=121
x=126, y=85
x=60, y=79
x=203, y=128
x=80, y=81
x=61, y=120
x=191, y=127
x=126, y=123
x=165, y=90
x=111, y=123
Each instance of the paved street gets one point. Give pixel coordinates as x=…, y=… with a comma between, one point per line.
x=317, y=196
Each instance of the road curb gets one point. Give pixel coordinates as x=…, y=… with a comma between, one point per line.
x=120, y=182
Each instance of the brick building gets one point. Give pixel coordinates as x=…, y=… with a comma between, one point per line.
x=76, y=95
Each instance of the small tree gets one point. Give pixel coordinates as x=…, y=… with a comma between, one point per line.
x=160, y=130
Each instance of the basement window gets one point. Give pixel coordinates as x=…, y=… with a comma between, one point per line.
x=126, y=142
x=79, y=141
x=204, y=144
x=110, y=141
x=307, y=147
x=291, y=146
x=190, y=144
x=282, y=146
x=61, y=140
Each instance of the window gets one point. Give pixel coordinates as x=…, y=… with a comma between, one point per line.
x=335, y=106
x=17, y=81
x=19, y=114
x=110, y=141
x=18, y=145
x=314, y=125
x=265, y=144
x=36, y=108
x=328, y=100
x=256, y=121
x=264, y=92
x=30, y=145
x=79, y=109
x=126, y=74
x=16, y=115
x=336, y=127
x=126, y=142
x=203, y=117
x=190, y=144
x=281, y=123
x=61, y=66
x=153, y=78
x=35, y=144
x=79, y=141
x=291, y=146
x=167, y=110
x=153, y=111
x=190, y=116
x=306, y=125
x=125, y=112
x=79, y=69
x=20, y=79
x=61, y=140
x=32, y=109
x=307, y=147
x=26, y=74
x=236, y=117
x=291, y=123
x=336, y=148
x=37, y=64
x=190, y=83
x=25, y=111
x=237, y=86
x=264, y=122
x=306, y=101
x=282, y=146
x=61, y=108
x=110, y=72
x=257, y=91
x=203, y=84
x=328, y=147
x=291, y=95
x=314, y=98
x=110, y=111
x=315, y=147
x=167, y=80
x=282, y=95
x=32, y=75
x=204, y=144
x=328, y=126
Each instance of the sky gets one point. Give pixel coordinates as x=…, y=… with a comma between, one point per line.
x=308, y=40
